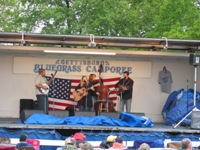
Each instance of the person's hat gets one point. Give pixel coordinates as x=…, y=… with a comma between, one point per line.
x=111, y=138
x=144, y=146
x=119, y=139
x=79, y=136
x=127, y=72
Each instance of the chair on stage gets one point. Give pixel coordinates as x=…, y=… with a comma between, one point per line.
x=103, y=106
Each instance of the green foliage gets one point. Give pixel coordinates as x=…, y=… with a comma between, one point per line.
x=174, y=17
x=137, y=18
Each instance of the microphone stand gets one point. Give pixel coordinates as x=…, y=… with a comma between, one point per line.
x=121, y=95
x=187, y=92
x=86, y=98
x=53, y=92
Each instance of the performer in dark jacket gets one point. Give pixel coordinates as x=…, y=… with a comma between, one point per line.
x=124, y=88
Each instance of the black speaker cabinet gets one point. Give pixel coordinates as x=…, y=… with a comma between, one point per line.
x=56, y=113
x=59, y=113
x=117, y=114
x=85, y=113
x=71, y=111
x=194, y=59
x=27, y=113
x=111, y=114
x=26, y=104
x=195, y=119
x=138, y=113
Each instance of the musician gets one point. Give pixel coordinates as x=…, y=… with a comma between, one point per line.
x=93, y=83
x=125, y=87
x=41, y=84
x=86, y=102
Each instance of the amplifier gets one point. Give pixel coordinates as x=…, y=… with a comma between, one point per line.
x=194, y=59
x=195, y=119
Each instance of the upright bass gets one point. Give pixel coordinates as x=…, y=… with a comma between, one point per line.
x=102, y=89
x=103, y=92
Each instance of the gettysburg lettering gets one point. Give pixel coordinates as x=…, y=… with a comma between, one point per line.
x=76, y=66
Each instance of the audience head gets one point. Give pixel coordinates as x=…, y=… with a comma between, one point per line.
x=85, y=146
x=186, y=144
x=144, y=146
x=119, y=139
x=70, y=141
x=5, y=140
x=23, y=137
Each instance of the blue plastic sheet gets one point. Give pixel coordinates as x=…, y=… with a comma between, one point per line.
x=178, y=105
x=127, y=120
x=157, y=137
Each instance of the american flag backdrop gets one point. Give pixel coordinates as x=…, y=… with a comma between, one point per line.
x=60, y=92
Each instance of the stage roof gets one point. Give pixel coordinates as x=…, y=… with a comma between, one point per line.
x=32, y=43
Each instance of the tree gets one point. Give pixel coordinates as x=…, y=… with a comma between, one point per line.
x=114, y=18
x=137, y=18
x=9, y=14
x=176, y=19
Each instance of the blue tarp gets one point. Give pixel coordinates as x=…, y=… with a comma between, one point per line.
x=178, y=105
x=33, y=134
x=157, y=137
x=127, y=120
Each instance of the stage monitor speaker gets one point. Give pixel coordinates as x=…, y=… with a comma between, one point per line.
x=194, y=59
x=71, y=111
x=56, y=113
x=85, y=113
x=111, y=114
x=35, y=104
x=25, y=104
x=195, y=120
x=59, y=113
x=117, y=114
x=138, y=113
x=27, y=113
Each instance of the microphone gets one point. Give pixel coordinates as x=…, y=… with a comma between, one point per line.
x=187, y=82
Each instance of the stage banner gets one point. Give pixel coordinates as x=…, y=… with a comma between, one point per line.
x=78, y=67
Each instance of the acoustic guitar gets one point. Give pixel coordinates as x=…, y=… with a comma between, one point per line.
x=120, y=89
x=79, y=94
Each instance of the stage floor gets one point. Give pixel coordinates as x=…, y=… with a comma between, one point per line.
x=158, y=127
